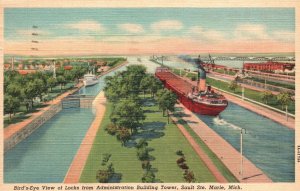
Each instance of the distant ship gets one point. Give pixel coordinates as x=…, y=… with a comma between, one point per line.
x=201, y=99
x=89, y=80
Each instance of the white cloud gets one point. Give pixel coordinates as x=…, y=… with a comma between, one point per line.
x=166, y=25
x=288, y=36
x=132, y=28
x=86, y=26
x=201, y=33
x=251, y=32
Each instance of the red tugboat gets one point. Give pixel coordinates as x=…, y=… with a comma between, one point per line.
x=201, y=99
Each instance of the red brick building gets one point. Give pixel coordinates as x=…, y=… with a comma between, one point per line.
x=268, y=66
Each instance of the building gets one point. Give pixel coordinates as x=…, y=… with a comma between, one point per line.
x=269, y=66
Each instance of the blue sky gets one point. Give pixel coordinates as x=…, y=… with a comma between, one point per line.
x=111, y=24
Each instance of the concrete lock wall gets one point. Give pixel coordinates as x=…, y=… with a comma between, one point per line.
x=31, y=127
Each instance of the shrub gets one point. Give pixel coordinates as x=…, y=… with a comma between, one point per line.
x=142, y=143
x=111, y=129
x=143, y=153
x=183, y=166
x=102, y=176
x=146, y=165
x=123, y=135
x=148, y=177
x=189, y=176
x=179, y=153
x=105, y=159
x=180, y=160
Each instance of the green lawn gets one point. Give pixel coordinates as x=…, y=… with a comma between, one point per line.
x=284, y=85
x=165, y=139
x=251, y=94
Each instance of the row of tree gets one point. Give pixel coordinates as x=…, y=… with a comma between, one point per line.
x=124, y=89
x=24, y=89
x=283, y=98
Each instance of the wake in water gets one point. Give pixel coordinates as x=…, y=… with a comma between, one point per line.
x=222, y=122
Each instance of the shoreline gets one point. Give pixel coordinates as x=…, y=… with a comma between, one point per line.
x=13, y=129
x=79, y=160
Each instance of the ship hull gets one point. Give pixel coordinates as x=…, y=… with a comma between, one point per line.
x=89, y=83
x=181, y=88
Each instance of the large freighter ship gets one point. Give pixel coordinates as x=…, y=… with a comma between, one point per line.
x=199, y=99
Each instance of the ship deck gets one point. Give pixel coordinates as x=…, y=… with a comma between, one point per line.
x=175, y=82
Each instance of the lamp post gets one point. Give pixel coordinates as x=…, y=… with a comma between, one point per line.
x=241, y=151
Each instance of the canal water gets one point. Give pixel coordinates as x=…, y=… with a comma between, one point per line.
x=47, y=153
x=269, y=145
x=45, y=156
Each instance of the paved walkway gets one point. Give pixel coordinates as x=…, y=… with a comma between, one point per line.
x=275, y=116
x=203, y=156
x=14, y=128
x=75, y=170
x=225, y=152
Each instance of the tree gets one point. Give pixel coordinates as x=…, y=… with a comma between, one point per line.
x=68, y=76
x=233, y=85
x=123, y=135
x=11, y=104
x=30, y=92
x=107, y=171
x=145, y=84
x=142, y=143
x=284, y=98
x=39, y=87
x=189, y=176
x=51, y=82
x=14, y=90
x=61, y=80
x=267, y=96
x=143, y=153
x=155, y=85
x=148, y=177
x=128, y=113
x=166, y=101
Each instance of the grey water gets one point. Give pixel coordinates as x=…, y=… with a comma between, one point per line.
x=269, y=145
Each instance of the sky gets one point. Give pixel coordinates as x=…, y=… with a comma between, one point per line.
x=94, y=31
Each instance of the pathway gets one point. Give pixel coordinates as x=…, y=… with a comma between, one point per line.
x=275, y=116
x=203, y=156
x=225, y=152
x=78, y=163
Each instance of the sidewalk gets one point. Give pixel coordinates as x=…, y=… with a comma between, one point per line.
x=78, y=163
x=203, y=156
x=277, y=117
x=225, y=152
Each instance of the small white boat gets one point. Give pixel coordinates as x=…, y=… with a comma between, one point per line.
x=89, y=80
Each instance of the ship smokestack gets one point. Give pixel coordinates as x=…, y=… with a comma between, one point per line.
x=201, y=76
